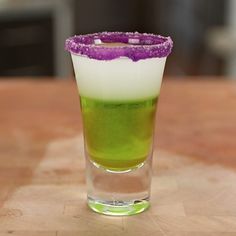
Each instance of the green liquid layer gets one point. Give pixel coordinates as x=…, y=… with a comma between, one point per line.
x=118, y=134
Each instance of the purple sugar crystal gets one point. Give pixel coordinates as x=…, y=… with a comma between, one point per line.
x=138, y=46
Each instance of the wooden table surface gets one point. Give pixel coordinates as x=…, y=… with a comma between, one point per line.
x=42, y=183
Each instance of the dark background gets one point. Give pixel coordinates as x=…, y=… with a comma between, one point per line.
x=28, y=37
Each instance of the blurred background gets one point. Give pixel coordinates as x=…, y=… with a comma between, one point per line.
x=32, y=32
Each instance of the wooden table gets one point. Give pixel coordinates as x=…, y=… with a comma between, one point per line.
x=42, y=184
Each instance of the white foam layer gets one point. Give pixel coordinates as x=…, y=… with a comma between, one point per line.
x=119, y=79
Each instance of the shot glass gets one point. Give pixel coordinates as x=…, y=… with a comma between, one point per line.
x=119, y=77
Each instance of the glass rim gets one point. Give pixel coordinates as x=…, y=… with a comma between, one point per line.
x=133, y=45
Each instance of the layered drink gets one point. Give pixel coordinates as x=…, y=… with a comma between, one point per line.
x=119, y=78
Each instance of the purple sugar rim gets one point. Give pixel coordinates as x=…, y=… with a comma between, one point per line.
x=140, y=45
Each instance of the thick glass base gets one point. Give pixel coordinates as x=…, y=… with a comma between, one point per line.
x=118, y=193
x=120, y=208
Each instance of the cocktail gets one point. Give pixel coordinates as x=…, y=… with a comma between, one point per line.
x=119, y=78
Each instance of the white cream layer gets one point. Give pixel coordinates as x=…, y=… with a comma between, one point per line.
x=119, y=79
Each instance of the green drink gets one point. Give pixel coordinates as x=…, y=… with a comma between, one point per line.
x=118, y=133
x=119, y=78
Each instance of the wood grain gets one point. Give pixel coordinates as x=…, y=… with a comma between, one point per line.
x=42, y=184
